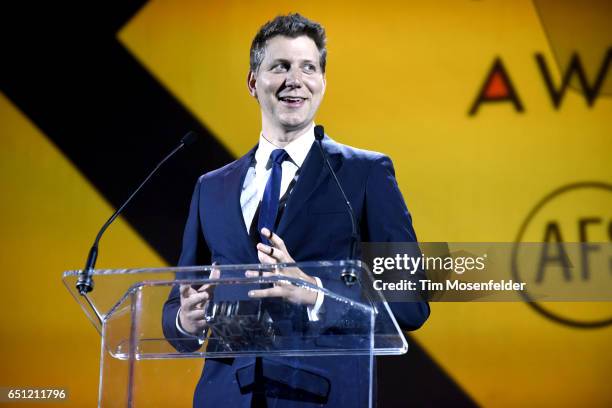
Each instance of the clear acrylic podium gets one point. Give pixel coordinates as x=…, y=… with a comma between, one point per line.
x=139, y=366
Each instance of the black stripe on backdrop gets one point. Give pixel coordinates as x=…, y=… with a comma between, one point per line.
x=63, y=67
x=416, y=380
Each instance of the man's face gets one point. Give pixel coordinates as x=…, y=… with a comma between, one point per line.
x=289, y=84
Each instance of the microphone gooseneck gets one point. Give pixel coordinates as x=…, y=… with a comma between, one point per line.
x=349, y=273
x=85, y=282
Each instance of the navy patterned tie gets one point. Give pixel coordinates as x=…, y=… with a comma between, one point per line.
x=269, y=202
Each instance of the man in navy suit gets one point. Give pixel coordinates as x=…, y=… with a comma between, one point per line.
x=279, y=203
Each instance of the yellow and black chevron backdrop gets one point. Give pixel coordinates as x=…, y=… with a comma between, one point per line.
x=486, y=107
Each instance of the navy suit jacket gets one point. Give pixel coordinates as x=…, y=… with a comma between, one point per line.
x=314, y=226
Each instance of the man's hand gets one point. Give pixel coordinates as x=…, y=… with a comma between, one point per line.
x=277, y=253
x=193, y=304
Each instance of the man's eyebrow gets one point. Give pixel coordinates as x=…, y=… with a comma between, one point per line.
x=280, y=60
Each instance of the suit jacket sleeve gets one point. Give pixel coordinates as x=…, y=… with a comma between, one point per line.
x=192, y=253
x=387, y=220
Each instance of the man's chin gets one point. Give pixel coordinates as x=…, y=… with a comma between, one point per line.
x=293, y=124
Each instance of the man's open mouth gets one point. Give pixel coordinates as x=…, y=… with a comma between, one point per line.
x=292, y=100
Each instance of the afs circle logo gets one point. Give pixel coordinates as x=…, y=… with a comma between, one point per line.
x=578, y=212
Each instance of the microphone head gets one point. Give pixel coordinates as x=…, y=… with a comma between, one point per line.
x=190, y=138
x=319, y=132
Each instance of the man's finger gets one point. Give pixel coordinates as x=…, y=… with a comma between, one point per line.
x=195, y=315
x=200, y=287
x=193, y=300
x=266, y=233
x=270, y=251
x=276, y=291
x=203, y=288
x=185, y=290
x=256, y=274
x=274, y=239
x=265, y=258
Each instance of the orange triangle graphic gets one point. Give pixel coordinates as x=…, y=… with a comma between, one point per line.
x=497, y=87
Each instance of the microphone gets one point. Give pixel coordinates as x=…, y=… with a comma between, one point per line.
x=349, y=274
x=85, y=282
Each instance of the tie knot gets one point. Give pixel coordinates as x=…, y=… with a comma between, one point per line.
x=278, y=156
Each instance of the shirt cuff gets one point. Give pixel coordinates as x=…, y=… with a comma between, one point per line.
x=313, y=311
x=182, y=331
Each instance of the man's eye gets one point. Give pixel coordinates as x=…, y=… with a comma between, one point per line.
x=310, y=68
x=279, y=68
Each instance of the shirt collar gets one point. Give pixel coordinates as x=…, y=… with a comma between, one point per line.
x=297, y=149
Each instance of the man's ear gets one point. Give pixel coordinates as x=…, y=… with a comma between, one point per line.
x=251, y=82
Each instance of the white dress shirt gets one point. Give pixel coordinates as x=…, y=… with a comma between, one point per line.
x=259, y=172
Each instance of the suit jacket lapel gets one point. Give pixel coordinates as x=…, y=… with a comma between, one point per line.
x=313, y=172
x=232, y=188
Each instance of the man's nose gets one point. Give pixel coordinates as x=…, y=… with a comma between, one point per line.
x=294, y=78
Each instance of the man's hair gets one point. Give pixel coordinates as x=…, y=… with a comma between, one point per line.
x=292, y=26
